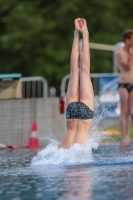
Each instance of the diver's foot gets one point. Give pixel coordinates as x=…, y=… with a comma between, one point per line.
x=83, y=26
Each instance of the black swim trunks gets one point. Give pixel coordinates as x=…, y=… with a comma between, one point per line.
x=78, y=110
x=128, y=86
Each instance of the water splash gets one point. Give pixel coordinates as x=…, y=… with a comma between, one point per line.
x=77, y=153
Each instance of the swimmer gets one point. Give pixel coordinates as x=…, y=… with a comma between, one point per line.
x=80, y=95
x=125, y=88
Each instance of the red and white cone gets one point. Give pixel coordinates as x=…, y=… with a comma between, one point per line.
x=34, y=141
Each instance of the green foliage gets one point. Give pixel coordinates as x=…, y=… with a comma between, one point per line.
x=36, y=36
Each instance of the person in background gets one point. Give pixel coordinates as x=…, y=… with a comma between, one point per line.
x=124, y=59
x=80, y=95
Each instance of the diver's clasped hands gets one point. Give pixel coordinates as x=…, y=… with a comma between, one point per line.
x=81, y=26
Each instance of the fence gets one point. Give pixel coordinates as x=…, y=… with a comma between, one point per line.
x=17, y=116
x=95, y=80
x=34, y=87
x=94, y=77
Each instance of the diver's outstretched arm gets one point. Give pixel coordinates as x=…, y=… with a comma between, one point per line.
x=85, y=89
x=73, y=86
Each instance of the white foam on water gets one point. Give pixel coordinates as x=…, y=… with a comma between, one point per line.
x=76, y=154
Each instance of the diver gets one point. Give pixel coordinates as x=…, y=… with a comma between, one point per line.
x=80, y=95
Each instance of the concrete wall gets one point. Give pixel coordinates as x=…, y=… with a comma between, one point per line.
x=17, y=116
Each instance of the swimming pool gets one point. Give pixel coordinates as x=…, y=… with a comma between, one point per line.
x=107, y=175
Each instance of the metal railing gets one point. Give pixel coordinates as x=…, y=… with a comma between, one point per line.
x=107, y=47
x=34, y=87
x=92, y=75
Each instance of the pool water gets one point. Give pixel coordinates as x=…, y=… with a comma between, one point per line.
x=106, y=174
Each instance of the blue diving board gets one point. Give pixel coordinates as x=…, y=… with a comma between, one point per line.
x=10, y=76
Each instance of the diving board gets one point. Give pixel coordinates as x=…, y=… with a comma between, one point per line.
x=10, y=76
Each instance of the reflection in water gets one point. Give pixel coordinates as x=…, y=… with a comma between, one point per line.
x=125, y=183
x=77, y=183
x=125, y=150
x=108, y=177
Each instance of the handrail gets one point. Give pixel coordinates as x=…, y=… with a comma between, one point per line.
x=37, y=78
x=63, y=83
x=92, y=75
x=117, y=46
x=107, y=47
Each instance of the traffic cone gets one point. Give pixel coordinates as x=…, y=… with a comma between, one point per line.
x=34, y=141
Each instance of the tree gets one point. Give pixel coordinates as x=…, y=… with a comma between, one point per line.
x=36, y=36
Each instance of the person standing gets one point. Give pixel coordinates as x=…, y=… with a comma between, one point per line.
x=124, y=59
